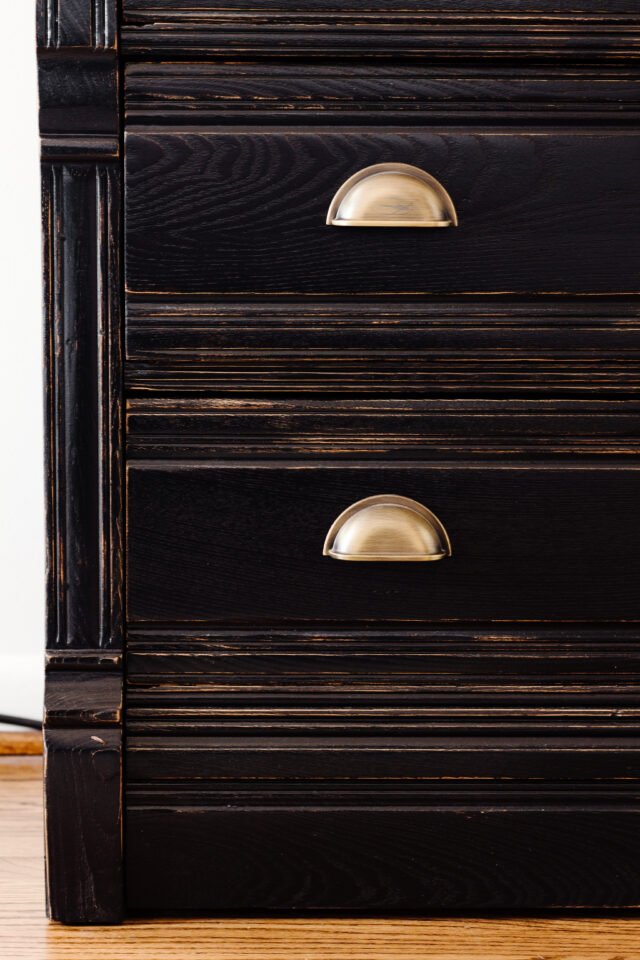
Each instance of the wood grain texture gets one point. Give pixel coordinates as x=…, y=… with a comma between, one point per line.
x=25, y=933
x=200, y=93
x=469, y=347
x=230, y=542
x=90, y=24
x=378, y=759
x=81, y=201
x=413, y=858
x=73, y=697
x=79, y=659
x=303, y=734
x=78, y=79
x=472, y=30
x=83, y=816
x=20, y=743
x=258, y=225
x=82, y=355
x=203, y=428
x=78, y=105
x=486, y=681
x=179, y=8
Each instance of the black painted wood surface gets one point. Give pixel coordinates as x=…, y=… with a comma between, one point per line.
x=230, y=542
x=197, y=428
x=384, y=857
x=192, y=93
x=469, y=347
x=81, y=212
x=233, y=211
x=81, y=204
x=379, y=759
x=487, y=681
x=485, y=30
x=303, y=733
x=83, y=817
x=172, y=665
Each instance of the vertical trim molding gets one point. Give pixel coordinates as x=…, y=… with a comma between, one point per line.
x=82, y=330
x=81, y=204
x=77, y=23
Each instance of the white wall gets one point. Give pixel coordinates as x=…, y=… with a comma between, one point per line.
x=21, y=484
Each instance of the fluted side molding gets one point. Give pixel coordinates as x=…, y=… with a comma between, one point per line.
x=77, y=23
x=81, y=207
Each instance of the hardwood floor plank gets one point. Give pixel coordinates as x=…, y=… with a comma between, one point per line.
x=462, y=939
x=20, y=743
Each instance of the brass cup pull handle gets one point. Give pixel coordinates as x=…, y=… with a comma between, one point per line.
x=387, y=527
x=392, y=195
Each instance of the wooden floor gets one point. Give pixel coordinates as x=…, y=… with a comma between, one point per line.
x=25, y=934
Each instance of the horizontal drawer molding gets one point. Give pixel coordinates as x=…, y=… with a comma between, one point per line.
x=401, y=682
x=382, y=758
x=352, y=722
x=546, y=31
x=479, y=374
x=197, y=427
x=481, y=347
x=435, y=794
x=169, y=663
x=197, y=93
x=474, y=376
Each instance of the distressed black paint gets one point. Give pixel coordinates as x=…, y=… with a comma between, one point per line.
x=303, y=733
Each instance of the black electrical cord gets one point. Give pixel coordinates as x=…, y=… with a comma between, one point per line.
x=21, y=722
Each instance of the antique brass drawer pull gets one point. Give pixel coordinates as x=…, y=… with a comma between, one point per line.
x=387, y=527
x=392, y=195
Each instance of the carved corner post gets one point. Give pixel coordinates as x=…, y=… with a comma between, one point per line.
x=81, y=183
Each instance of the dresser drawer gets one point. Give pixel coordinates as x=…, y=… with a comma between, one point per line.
x=227, y=542
x=233, y=211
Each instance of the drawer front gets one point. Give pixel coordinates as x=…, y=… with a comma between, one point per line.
x=381, y=857
x=227, y=542
x=237, y=212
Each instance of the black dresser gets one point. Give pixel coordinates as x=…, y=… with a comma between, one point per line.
x=342, y=371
